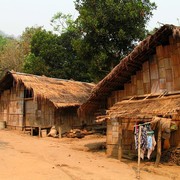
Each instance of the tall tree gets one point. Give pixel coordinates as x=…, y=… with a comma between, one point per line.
x=11, y=57
x=109, y=29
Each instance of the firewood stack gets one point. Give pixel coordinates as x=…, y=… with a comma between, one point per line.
x=172, y=155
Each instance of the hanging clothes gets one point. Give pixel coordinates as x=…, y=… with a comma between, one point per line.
x=147, y=140
x=143, y=140
x=151, y=143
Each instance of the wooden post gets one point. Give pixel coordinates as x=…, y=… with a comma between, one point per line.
x=120, y=141
x=139, y=152
x=39, y=131
x=31, y=131
x=60, y=132
x=158, y=155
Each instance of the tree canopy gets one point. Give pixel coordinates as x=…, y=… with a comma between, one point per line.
x=110, y=29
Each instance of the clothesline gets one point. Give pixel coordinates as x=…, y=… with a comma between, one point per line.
x=143, y=124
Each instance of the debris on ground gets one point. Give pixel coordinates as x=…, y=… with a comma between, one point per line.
x=80, y=132
x=171, y=155
x=77, y=133
x=53, y=132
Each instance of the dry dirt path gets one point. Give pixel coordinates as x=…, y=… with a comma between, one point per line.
x=32, y=158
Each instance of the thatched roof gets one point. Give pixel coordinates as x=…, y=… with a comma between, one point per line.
x=128, y=66
x=144, y=108
x=62, y=93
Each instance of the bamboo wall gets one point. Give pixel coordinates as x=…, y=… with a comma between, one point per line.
x=19, y=111
x=122, y=127
x=67, y=118
x=159, y=73
x=11, y=107
x=39, y=112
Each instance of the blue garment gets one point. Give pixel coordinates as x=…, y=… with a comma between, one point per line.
x=149, y=142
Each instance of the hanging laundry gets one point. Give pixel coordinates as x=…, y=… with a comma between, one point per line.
x=151, y=143
x=147, y=140
x=143, y=138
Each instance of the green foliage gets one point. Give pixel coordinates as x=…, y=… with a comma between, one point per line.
x=62, y=23
x=11, y=56
x=35, y=65
x=110, y=29
x=3, y=41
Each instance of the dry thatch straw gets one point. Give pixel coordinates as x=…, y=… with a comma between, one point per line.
x=134, y=108
x=62, y=93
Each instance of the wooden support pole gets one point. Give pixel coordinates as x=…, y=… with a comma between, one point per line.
x=120, y=141
x=40, y=131
x=31, y=131
x=60, y=132
x=158, y=155
x=139, y=152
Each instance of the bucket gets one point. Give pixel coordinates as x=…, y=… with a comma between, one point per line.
x=44, y=133
x=2, y=124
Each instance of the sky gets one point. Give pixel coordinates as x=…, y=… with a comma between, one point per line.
x=16, y=15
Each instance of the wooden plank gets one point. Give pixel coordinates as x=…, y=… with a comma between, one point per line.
x=154, y=74
x=145, y=66
x=133, y=79
x=176, y=84
x=167, y=63
x=154, y=86
x=175, y=60
x=169, y=86
x=161, y=63
x=162, y=84
x=176, y=71
x=147, y=88
x=166, y=52
x=169, y=76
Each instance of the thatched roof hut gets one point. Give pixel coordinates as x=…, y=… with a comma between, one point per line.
x=62, y=93
x=145, y=84
x=128, y=66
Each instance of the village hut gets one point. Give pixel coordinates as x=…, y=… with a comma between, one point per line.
x=30, y=101
x=143, y=86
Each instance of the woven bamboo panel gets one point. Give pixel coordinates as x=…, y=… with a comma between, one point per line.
x=147, y=88
x=161, y=63
x=160, y=52
x=177, y=84
x=169, y=86
x=155, y=86
x=162, y=84
x=146, y=76
x=169, y=77
x=162, y=73
x=133, y=80
x=166, y=52
x=145, y=66
x=167, y=63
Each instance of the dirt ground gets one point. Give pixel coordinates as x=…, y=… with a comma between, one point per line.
x=26, y=157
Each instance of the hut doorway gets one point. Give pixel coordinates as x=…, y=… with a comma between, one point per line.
x=30, y=108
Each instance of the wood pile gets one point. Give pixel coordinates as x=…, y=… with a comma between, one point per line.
x=80, y=133
x=172, y=155
x=76, y=133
